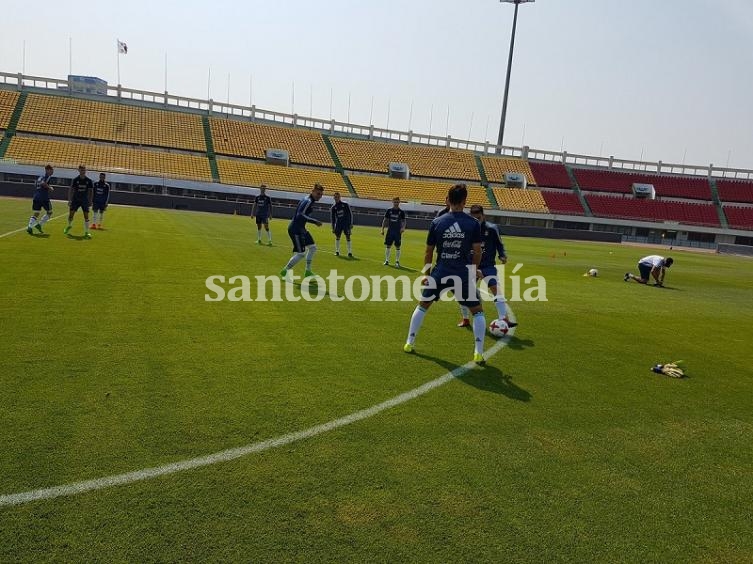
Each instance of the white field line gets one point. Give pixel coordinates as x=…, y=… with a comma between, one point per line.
x=234, y=453
x=24, y=228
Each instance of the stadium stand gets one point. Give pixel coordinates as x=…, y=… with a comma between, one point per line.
x=621, y=182
x=653, y=210
x=735, y=190
x=246, y=139
x=562, y=202
x=109, y=158
x=496, y=167
x=550, y=175
x=8, y=101
x=423, y=160
x=516, y=199
x=109, y=121
x=426, y=192
x=246, y=173
x=739, y=217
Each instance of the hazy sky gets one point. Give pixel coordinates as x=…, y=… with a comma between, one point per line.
x=667, y=79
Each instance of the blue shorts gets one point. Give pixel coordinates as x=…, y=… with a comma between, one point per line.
x=393, y=239
x=99, y=206
x=301, y=240
x=339, y=230
x=262, y=219
x=41, y=203
x=467, y=297
x=76, y=204
x=645, y=270
x=490, y=274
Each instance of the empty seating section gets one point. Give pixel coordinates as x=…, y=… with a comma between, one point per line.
x=694, y=188
x=106, y=121
x=520, y=200
x=109, y=158
x=426, y=192
x=551, y=175
x=739, y=217
x=735, y=190
x=423, y=160
x=653, y=210
x=496, y=167
x=246, y=173
x=562, y=202
x=8, y=101
x=246, y=139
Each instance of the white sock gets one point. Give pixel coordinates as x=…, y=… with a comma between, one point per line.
x=465, y=312
x=45, y=219
x=269, y=236
x=479, y=330
x=32, y=221
x=386, y=254
x=397, y=255
x=101, y=218
x=415, y=324
x=86, y=226
x=258, y=234
x=310, y=256
x=337, y=245
x=350, y=249
x=499, y=302
x=295, y=259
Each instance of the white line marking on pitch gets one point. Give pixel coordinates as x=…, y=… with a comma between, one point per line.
x=24, y=228
x=233, y=453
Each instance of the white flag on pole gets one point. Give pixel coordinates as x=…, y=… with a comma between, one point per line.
x=122, y=47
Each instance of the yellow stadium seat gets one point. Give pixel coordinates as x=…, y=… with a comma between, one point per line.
x=8, y=101
x=426, y=192
x=516, y=199
x=248, y=173
x=496, y=167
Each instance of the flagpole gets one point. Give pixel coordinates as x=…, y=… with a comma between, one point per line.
x=165, y=72
x=70, y=55
x=117, y=50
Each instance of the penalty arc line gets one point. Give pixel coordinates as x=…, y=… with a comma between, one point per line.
x=235, y=453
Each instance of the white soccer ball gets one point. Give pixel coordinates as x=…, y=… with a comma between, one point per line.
x=499, y=328
x=593, y=272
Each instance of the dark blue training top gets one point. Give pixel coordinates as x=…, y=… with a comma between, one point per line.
x=395, y=220
x=453, y=235
x=341, y=215
x=82, y=188
x=39, y=190
x=263, y=205
x=491, y=245
x=302, y=217
x=101, y=192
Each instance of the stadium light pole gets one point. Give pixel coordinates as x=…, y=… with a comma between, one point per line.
x=501, y=136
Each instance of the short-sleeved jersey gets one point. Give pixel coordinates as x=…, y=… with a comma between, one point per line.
x=82, y=188
x=301, y=216
x=101, y=192
x=491, y=245
x=263, y=205
x=395, y=219
x=39, y=190
x=652, y=260
x=341, y=216
x=453, y=236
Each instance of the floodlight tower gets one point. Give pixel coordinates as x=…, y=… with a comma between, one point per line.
x=509, y=68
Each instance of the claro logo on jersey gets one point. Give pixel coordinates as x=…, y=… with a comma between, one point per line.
x=454, y=232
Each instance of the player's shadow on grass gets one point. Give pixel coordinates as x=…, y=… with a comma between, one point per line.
x=311, y=288
x=41, y=235
x=487, y=378
x=77, y=237
x=347, y=258
x=518, y=344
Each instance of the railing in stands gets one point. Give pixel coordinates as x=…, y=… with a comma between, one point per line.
x=371, y=132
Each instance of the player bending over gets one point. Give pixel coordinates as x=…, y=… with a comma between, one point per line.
x=303, y=242
x=456, y=237
x=652, y=266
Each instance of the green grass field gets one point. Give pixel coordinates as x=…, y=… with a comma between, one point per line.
x=565, y=448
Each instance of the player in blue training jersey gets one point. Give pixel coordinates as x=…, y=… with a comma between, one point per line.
x=80, y=195
x=456, y=237
x=262, y=210
x=342, y=222
x=491, y=247
x=42, y=189
x=100, y=201
x=394, y=221
x=303, y=242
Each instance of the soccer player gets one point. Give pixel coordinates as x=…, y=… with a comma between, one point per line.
x=100, y=201
x=80, y=195
x=491, y=247
x=262, y=210
x=651, y=266
x=42, y=189
x=342, y=222
x=303, y=242
x=394, y=221
x=456, y=237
